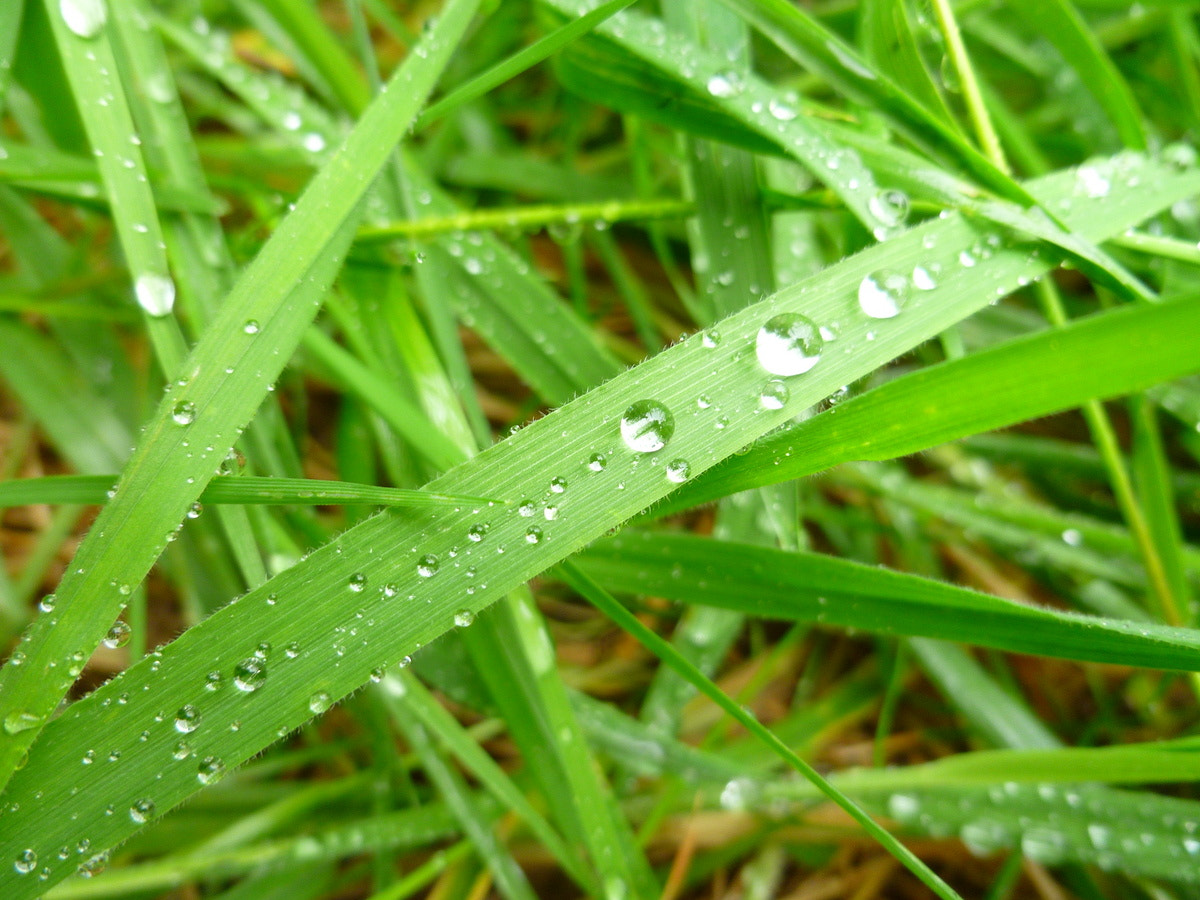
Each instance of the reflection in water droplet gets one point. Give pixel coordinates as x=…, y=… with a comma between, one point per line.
x=774, y=395
x=788, y=344
x=319, y=702
x=463, y=618
x=25, y=862
x=184, y=412
x=83, y=17
x=678, y=470
x=647, y=426
x=210, y=770
x=155, y=293
x=357, y=582
x=924, y=278
x=118, y=635
x=187, y=719
x=428, y=565
x=889, y=207
x=249, y=675
x=142, y=811
x=725, y=84
x=882, y=294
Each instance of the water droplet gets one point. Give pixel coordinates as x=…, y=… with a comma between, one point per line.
x=533, y=535
x=319, y=702
x=357, y=582
x=882, y=294
x=313, y=142
x=725, y=84
x=597, y=462
x=187, y=719
x=890, y=208
x=476, y=532
x=25, y=862
x=184, y=412
x=1179, y=155
x=251, y=326
x=527, y=508
x=780, y=110
x=788, y=344
x=1092, y=182
x=558, y=485
x=47, y=603
x=463, y=618
x=249, y=675
x=155, y=293
x=647, y=426
x=924, y=278
x=1044, y=845
x=84, y=18
x=774, y=395
x=210, y=770
x=904, y=807
x=291, y=649
x=118, y=635
x=89, y=757
x=182, y=751
x=678, y=470
x=1073, y=537
x=427, y=565
x=711, y=338
x=142, y=811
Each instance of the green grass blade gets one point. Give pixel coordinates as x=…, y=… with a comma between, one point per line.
x=415, y=561
x=1019, y=380
x=793, y=585
x=228, y=489
x=254, y=333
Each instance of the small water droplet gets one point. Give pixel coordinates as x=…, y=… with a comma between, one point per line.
x=210, y=770
x=155, y=293
x=780, y=110
x=774, y=395
x=25, y=862
x=313, y=142
x=727, y=83
x=1179, y=155
x=358, y=582
x=533, y=535
x=678, y=471
x=47, y=603
x=889, y=207
x=249, y=675
x=184, y=412
x=463, y=618
x=251, y=326
x=597, y=462
x=527, y=508
x=187, y=719
x=925, y=278
x=319, y=702
x=881, y=295
x=558, y=485
x=647, y=426
x=118, y=635
x=84, y=18
x=711, y=338
x=142, y=811
x=788, y=344
x=476, y=532
x=427, y=565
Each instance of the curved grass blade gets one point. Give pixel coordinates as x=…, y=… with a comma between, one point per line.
x=228, y=489
x=253, y=335
x=404, y=577
x=1022, y=379
x=810, y=587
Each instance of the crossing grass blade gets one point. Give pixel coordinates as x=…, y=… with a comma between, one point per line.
x=400, y=579
x=228, y=489
x=254, y=334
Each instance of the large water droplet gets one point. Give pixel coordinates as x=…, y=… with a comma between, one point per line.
x=882, y=294
x=889, y=207
x=788, y=344
x=183, y=412
x=249, y=675
x=155, y=293
x=647, y=426
x=84, y=17
x=357, y=582
x=427, y=565
x=118, y=635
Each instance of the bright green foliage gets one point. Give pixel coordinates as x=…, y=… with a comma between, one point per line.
x=346, y=410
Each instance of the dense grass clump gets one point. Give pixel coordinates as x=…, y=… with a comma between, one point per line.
x=705, y=448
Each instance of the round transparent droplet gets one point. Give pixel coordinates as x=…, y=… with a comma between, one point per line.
x=118, y=635
x=25, y=862
x=187, y=719
x=249, y=675
x=597, y=462
x=889, y=207
x=183, y=413
x=533, y=535
x=210, y=770
x=727, y=83
x=678, y=471
x=319, y=702
x=83, y=17
x=925, y=278
x=788, y=344
x=558, y=485
x=142, y=811
x=780, y=110
x=357, y=582
x=881, y=295
x=476, y=532
x=774, y=395
x=251, y=326
x=1180, y=155
x=155, y=293
x=427, y=565
x=647, y=426
x=463, y=618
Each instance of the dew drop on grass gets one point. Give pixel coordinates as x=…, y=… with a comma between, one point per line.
x=1044, y=845
x=47, y=603
x=142, y=811
x=182, y=751
x=427, y=565
x=780, y=110
x=155, y=293
x=319, y=702
x=313, y=142
x=249, y=675
x=476, y=532
x=1180, y=156
x=463, y=618
x=889, y=207
x=925, y=278
x=118, y=635
x=774, y=395
x=184, y=413
x=357, y=582
x=788, y=344
x=882, y=295
x=187, y=719
x=527, y=508
x=214, y=681
x=725, y=84
x=678, y=470
x=558, y=485
x=84, y=17
x=251, y=326
x=711, y=338
x=597, y=462
x=210, y=770
x=533, y=535
x=647, y=426
x=25, y=862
